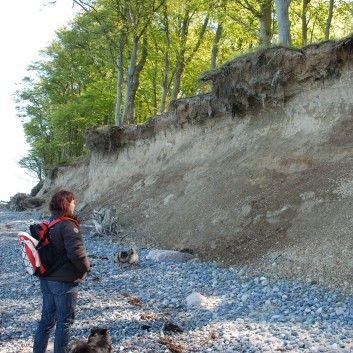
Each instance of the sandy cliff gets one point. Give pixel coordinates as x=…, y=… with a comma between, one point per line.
x=257, y=173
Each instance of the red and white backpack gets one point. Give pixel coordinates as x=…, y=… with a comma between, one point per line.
x=39, y=255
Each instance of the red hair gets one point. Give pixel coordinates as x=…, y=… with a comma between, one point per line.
x=60, y=201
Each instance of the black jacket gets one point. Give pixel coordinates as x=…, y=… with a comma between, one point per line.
x=67, y=239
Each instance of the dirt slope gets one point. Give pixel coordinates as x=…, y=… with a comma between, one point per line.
x=257, y=173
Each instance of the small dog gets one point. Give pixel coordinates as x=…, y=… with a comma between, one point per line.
x=130, y=256
x=98, y=342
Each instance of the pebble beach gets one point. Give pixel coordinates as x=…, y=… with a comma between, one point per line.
x=175, y=307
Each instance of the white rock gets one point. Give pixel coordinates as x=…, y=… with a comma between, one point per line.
x=195, y=299
x=334, y=346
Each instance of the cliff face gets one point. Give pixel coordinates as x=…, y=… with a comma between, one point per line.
x=257, y=173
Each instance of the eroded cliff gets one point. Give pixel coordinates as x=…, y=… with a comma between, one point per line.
x=257, y=173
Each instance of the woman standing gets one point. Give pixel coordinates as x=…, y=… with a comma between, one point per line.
x=60, y=288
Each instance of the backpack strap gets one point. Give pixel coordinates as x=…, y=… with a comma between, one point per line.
x=57, y=220
x=52, y=224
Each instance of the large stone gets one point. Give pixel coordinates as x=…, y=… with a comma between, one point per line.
x=169, y=256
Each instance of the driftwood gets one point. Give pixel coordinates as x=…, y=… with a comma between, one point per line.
x=106, y=222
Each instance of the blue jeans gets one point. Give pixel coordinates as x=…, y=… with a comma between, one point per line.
x=59, y=304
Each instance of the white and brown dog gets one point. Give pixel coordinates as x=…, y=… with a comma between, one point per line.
x=130, y=257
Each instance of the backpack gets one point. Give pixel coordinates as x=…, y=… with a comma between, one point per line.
x=39, y=255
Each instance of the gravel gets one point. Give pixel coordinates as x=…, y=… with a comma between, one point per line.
x=152, y=309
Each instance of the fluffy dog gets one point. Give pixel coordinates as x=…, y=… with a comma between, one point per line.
x=130, y=257
x=98, y=342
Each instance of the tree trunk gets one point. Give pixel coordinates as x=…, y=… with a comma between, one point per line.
x=282, y=12
x=128, y=108
x=119, y=87
x=265, y=19
x=304, y=23
x=135, y=82
x=182, y=61
x=264, y=15
x=216, y=40
x=329, y=20
x=181, y=57
x=165, y=65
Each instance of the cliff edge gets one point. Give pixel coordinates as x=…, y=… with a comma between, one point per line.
x=257, y=173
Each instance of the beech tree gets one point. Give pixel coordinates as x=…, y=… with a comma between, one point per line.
x=184, y=56
x=139, y=15
x=304, y=22
x=329, y=19
x=215, y=46
x=132, y=18
x=165, y=74
x=262, y=11
x=283, y=22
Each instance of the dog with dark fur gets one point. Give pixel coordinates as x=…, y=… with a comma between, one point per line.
x=98, y=342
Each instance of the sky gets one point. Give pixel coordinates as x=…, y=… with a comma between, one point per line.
x=26, y=27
